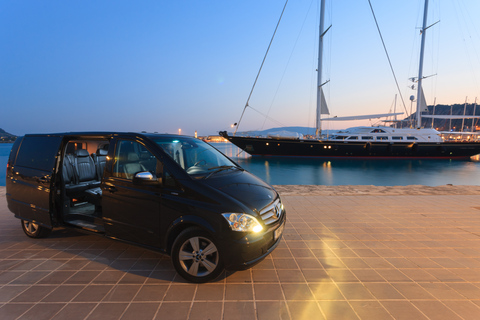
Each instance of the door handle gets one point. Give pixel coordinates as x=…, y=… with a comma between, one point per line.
x=111, y=189
x=44, y=179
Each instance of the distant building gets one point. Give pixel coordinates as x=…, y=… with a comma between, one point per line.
x=214, y=139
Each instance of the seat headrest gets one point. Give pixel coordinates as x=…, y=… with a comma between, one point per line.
x=133, y=157
x=101, y=152
x=81, y=153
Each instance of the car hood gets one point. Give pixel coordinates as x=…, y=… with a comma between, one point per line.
x=245, y=188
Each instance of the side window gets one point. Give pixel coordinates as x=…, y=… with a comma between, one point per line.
x=169, y=181
x=132, y=157
x=38, y=152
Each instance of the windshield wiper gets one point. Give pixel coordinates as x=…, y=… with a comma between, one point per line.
x=221, y=168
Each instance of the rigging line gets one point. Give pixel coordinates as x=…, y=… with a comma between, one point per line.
x=388, y=57
x=288, y=63
x=261, y=66
x=267, y=117
x=437, y=57
x=313, y=74
x=467, y=32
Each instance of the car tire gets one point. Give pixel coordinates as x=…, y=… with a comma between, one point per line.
x=196, y=257
x=34, y=230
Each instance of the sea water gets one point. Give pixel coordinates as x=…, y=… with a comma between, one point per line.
x=4, y=153
x=332, y=172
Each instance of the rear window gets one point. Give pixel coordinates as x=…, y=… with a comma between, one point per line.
x=38, y=152
x=13, y=151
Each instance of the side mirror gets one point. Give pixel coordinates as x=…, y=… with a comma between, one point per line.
x=145, y=178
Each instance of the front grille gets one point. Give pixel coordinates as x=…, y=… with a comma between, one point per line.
x=272, y=212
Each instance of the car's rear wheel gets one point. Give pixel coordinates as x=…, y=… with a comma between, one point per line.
x=34, y=230
x=196, y=257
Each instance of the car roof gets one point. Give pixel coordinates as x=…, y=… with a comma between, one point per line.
x=98, y=134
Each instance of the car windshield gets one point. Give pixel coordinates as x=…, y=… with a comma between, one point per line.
x=196, y=157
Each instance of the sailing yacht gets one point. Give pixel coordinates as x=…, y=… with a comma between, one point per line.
x=361, y=142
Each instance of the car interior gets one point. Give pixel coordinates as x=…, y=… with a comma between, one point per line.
x=82, y=170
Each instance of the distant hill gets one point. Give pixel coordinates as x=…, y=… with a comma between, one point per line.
x=6, y=137
x=302, y=130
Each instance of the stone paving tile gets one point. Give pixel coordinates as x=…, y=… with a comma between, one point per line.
x=371, y=310
x=238, y=292
x=75, y=311
x=7, y=293
x=238, y=310
x=305, y=310
x=108, y=311
x=206, y=310
x=180, y=292
x=34, y=294
x=63, y=293
x=383, y=291
x=13, y=311
x=337, y=310
x=272, y=310
x=140, y=311
x=208, y=292
x=151, y=293
x=43, y=311
x=403, y=310
x=93, y=293
x=341, y=257
x=436, y=310
x=122, y=293
x=268, y=292
x=465, y=309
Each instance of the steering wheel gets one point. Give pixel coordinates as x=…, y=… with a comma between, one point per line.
x=198, y=162
x=197, y=168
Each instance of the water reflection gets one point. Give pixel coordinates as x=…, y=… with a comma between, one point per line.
x=317, y=171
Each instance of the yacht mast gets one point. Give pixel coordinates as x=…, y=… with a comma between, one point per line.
x=318, y=131
x=420, y=69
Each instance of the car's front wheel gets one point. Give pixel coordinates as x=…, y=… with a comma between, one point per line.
x=33, y=230
x=196, y=256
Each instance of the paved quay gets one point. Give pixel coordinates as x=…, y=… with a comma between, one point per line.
x=348, y=252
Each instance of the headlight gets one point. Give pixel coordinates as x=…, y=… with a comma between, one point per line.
x=242, y=222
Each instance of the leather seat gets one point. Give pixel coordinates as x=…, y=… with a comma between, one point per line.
x=100, y=159
x=85, y=167
x=84, y=173
x=68, y=172
x=133, y=165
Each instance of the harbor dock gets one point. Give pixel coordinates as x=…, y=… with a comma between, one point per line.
x=348, y=252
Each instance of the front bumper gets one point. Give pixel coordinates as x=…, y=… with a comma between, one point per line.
x=245, y=252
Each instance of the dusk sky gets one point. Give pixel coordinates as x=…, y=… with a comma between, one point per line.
x=161, y=66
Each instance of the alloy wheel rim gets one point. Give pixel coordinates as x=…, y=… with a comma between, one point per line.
x=198, y=256
x=30, y=227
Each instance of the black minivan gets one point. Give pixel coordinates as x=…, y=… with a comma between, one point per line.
x=171, y=193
